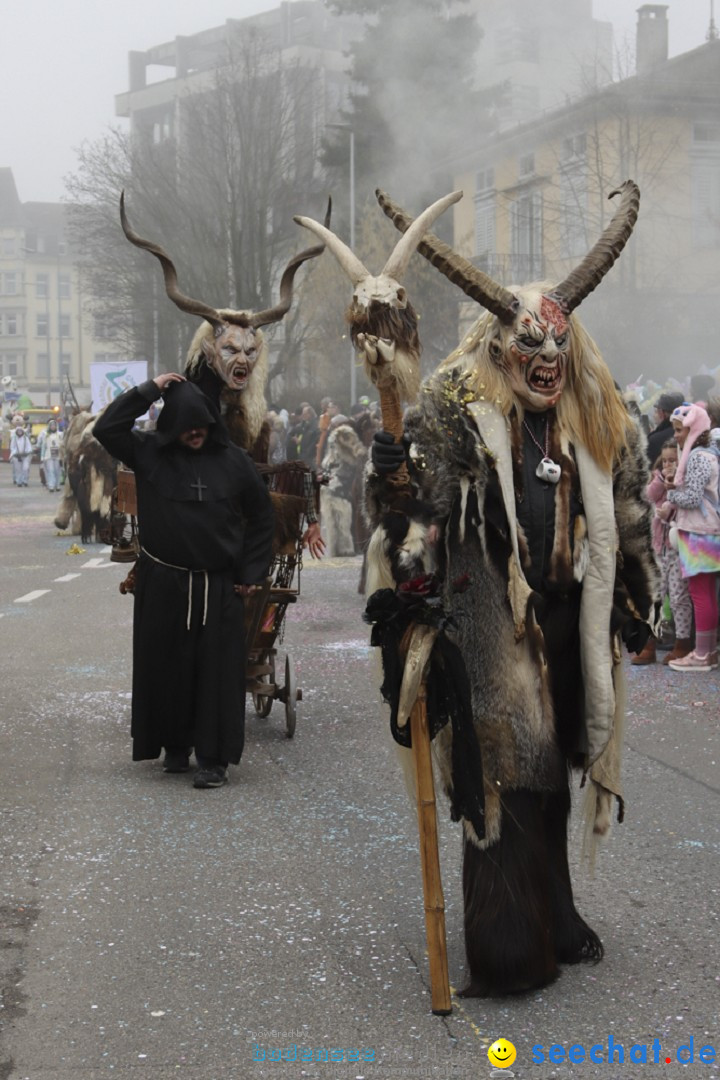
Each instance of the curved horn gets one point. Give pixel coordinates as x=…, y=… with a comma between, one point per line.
x=185, y=303
x=274, y=314
x=348, y=260
x=588, y=275
x=397, y=264
x=474, y=283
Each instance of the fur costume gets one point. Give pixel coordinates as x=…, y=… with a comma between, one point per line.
x=510, y=519
x=342, y=467
x=90, y=476
x=466, y=463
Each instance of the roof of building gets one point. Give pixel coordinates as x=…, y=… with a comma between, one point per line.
x=677, y=82
x=10, y=205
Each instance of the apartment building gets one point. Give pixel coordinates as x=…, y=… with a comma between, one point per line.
x=43, y=338
x=536, y=199
x=163, y=78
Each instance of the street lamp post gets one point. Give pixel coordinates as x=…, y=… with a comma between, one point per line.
x=353, y=362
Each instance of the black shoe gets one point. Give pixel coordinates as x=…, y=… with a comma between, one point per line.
x=176, y=761
x=210, y=776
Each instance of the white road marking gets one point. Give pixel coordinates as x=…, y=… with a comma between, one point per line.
x=67, y=577
x=29, y=597
x=105, y=550
x=95, y=564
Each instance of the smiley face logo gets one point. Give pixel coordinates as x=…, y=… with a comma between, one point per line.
x=502, y=1054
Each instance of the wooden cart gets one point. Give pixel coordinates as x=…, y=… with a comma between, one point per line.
x=265, y=618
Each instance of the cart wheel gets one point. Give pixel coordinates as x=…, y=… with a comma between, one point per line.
x=263, y=702
x=291, y=697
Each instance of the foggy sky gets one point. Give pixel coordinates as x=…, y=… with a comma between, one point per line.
x=63, y=64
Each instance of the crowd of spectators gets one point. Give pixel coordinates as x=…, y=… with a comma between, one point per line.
x=335, y=445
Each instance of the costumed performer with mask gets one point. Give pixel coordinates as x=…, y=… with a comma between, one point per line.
x=528, y=476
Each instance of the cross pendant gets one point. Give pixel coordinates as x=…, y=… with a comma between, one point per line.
x=200, y=488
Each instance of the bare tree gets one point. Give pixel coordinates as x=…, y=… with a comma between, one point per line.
x=218, y=194
x=614, y=133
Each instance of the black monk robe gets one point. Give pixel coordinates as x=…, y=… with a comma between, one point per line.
x=205, y=521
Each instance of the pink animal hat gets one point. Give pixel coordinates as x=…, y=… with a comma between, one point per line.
x=695, y=418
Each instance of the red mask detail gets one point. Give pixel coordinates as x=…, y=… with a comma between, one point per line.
x=552, y=313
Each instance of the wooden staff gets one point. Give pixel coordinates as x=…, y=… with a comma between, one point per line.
x=434, y=899
x=429, y=858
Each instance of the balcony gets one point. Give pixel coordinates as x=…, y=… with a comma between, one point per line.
x=507, y=269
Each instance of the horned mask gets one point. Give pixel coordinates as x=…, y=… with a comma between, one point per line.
x=383, y=324
x=531, y=332
x=230, y=341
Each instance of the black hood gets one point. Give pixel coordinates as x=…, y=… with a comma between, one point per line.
x=186, y=407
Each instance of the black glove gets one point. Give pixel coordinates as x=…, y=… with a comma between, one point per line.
x=635, y=634
x=386, y=454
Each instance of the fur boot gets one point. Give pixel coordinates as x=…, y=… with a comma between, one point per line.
x=647, y=656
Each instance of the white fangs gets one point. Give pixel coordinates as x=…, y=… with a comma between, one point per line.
x=544, y=377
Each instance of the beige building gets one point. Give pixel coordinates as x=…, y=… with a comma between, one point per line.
x=536, y=199
x=43, y=339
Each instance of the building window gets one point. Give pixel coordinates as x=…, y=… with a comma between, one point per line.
x=102, y=330
x=43, y=364
x=9, y=283
x=11, y=364
x=162, y=129
x=705, y=134
x=108, y=358
x=8, y=245
x=42, y=286
x=64, y=326
x=10, y=324
x=527, y=165
x=64, y=286
x=574, y=147
x=706, y=204
x=62, y=247
x=42, y=326
x=485, y=226
x=65, y=359
x=485, y=180
x=527, y=238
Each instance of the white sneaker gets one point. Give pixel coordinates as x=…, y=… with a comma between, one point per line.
x=694, y=662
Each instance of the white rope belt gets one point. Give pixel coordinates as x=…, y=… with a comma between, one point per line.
x=190, y=584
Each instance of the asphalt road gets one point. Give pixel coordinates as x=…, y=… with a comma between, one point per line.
x=149, y=929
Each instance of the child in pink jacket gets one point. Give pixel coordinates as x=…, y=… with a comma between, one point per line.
x=694, y=493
